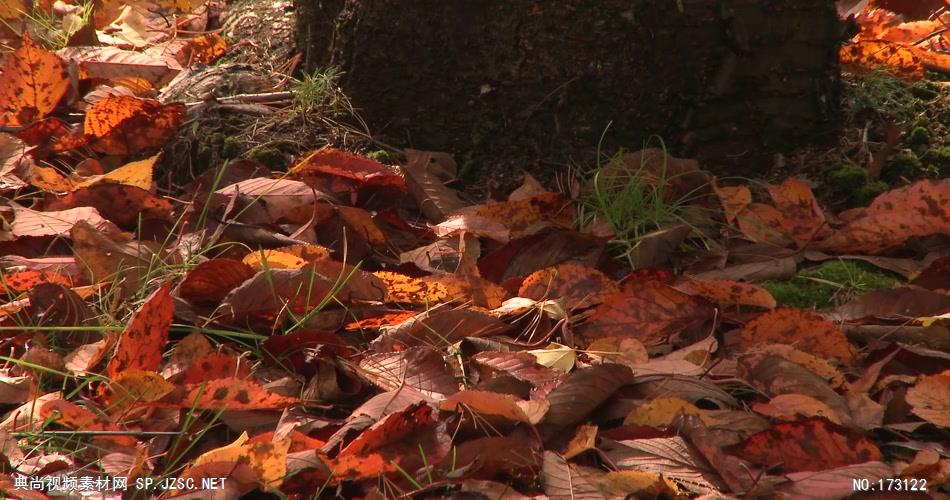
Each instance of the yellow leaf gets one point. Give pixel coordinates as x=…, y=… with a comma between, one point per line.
x=136, y=173
x=268, y=459
x=274, y=259
x=557, y=356
x=660, y=412
x=136, y=386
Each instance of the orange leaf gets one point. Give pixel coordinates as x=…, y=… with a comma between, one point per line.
x=34, y=80
x=733, y=198
x=141, y=343
x=921, y=209
x=930, y=398
x=441, y=288
x=903, y=60
x=334, y=171
x=809, y=445
x=76, y=417
x=523, y=217
x=123, y=125
x=122, y=204
x=213, y=367
x=16, y=283
x=649, y=312
x=234, y=394
x=577, y=285
x=210, y=281
x=806, y=330
x=203, y=49
x=729, y=293
x=802, y=218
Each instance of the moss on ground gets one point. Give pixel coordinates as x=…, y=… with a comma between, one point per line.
x=829, y=284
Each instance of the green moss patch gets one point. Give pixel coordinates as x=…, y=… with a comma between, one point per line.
x=829, y=284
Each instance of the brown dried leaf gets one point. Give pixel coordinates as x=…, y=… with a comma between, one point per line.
x=576, y=285
x=807, y=330
x=813, y=444
x=930, y=398
x=920, y=209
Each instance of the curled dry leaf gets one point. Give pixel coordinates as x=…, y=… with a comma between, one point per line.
x=802, y=218
x=494, y=404
x=807, y=330
x=439, y=328
x=776, y=376
x=581, y=392
x=34, y=81
x=342, y=173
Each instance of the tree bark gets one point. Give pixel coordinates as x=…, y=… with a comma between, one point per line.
x=726, y=80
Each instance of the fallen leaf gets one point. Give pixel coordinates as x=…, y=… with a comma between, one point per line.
x=54, y=222
x=209, y=282
x=141, y=344
x=576, y=285
x=893, y=217
x=649, y=312
x=930, y=398
x=232, y=394
x=267, y=459
x=34, y=81
x=791, y=407
x=813, y=444
x=123, y=125
x=493, y=404
x=421, y=368
x=807, y=330
x=661, y=412
x=729, y=293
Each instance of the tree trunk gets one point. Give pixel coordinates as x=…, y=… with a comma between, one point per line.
x=523, y=80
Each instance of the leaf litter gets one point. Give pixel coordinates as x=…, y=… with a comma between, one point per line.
x=352, y=327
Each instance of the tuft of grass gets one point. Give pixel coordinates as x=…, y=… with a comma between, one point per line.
x=882, y=93
x=320, y=91
x=631, y=201
x=52, y=29
x=829, y=284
